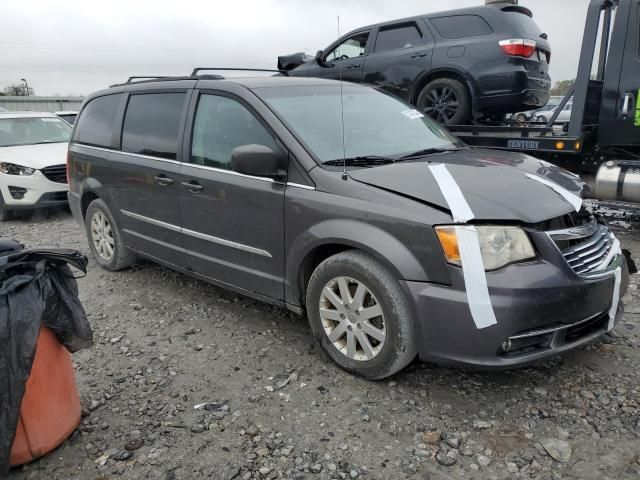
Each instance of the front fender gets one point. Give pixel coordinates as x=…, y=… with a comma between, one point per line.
x=368, y=238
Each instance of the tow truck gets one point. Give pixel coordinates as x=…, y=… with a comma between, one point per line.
x=601, y=142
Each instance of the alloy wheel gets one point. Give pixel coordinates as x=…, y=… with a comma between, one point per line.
x=441, y=104
x=102, y=236
x=352, y=318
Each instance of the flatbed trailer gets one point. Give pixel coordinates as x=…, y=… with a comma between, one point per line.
x=601, y=142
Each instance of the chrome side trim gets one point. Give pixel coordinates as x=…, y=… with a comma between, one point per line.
x=153, y=240
x=230, y=172
x=75, y=146
x=201, y=236
x=152, y=221
x=226, y=243
x=299, y=185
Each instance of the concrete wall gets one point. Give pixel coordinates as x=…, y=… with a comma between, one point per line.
x=40, y=104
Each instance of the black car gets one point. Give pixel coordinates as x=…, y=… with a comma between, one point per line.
x=345, y=203
x=474, y=62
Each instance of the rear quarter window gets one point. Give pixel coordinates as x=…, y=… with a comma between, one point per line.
x=97, y=121
x=461, y=26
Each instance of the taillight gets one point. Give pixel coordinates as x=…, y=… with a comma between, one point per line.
x=518, y=47
x=68, y=166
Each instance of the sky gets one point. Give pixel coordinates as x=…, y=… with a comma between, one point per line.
x=75, y=47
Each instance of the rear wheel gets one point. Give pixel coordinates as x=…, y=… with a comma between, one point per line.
x=445, y=100
x=541, y=119
x=521, y=119
x=104, y=238
x=359, y=315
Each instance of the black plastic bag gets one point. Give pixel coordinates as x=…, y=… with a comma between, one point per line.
x=37, y=288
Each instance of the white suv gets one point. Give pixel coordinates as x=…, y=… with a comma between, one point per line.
x=33, y=149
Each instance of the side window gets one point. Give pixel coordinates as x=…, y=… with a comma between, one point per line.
x=398, y=36
x=96, y=123
x=151, y=124
x=352, y=47
x=461, y=26
x=222, y=124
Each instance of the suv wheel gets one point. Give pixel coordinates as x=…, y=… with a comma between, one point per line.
x=541, y=119
x=104, y=238
x=359, y=315
x=445, y=100
x=521, y=119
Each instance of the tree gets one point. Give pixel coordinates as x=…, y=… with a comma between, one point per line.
x=561, y=88
x=19, y=90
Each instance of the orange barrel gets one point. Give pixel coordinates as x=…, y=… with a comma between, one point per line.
x=50, y=409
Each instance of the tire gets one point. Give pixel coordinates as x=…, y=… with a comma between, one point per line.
x=521, y=120
x=388, y=353
x=445, y=100
x=541, y=119
x=102, y=233
x=5, y=214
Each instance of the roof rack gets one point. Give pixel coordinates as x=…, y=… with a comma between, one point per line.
x=194, y=75
x=235, y=69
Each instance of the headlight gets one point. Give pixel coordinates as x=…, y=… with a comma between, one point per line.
x=499, y=245
x=13, y=169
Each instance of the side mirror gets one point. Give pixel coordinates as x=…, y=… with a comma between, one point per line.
x=258, y=161
x=320, y=61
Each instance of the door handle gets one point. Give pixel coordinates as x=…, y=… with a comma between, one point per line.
x=163, y=180
x=626, y=102
x=351, y=67
x=418, y=55
x=192, y=186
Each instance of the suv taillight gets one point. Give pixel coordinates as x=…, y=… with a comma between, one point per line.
x=68, y=166
x=518, y=47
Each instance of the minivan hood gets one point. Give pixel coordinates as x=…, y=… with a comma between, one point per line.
x=35, y=156
x=494, y=183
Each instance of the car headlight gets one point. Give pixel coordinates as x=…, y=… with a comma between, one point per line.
x=13, y=169
x=499, y=246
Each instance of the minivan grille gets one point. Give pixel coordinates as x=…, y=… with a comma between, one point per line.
x=585, y=247
x=56, y=173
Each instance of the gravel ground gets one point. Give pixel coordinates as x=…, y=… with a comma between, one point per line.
x=276, y=407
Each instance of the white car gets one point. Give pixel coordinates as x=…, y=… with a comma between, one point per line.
x=33, y=170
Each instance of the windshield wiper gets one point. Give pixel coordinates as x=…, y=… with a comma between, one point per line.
x=360, y=161
x=429, y=151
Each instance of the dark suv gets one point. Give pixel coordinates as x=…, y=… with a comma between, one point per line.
x=348, y=204
x=482, y=61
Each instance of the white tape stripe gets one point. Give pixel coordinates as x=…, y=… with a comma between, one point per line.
x=460, y=210
x=616, y=298
x=475, y=279
x=615, y=250
x=572, y=198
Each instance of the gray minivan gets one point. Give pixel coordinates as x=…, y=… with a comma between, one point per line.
x=345, y=203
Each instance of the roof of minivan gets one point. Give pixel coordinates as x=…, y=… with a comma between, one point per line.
x=26, y=114
x=192, y=82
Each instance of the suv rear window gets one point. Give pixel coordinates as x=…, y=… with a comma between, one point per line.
x=398, y=36
x=461, y=26
x=523, y=22
x=96, y=123
x=151, y=124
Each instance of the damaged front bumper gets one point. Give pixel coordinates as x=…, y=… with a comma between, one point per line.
x=542, y=308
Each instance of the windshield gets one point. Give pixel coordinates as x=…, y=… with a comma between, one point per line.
x=33, y=130
x=375, y=124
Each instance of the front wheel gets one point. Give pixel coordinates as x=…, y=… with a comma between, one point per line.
x=104, y=238
x=445, y=100
x=360, y=316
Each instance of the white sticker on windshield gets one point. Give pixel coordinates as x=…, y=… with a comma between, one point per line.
x=49, y=119
x=412, y=114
